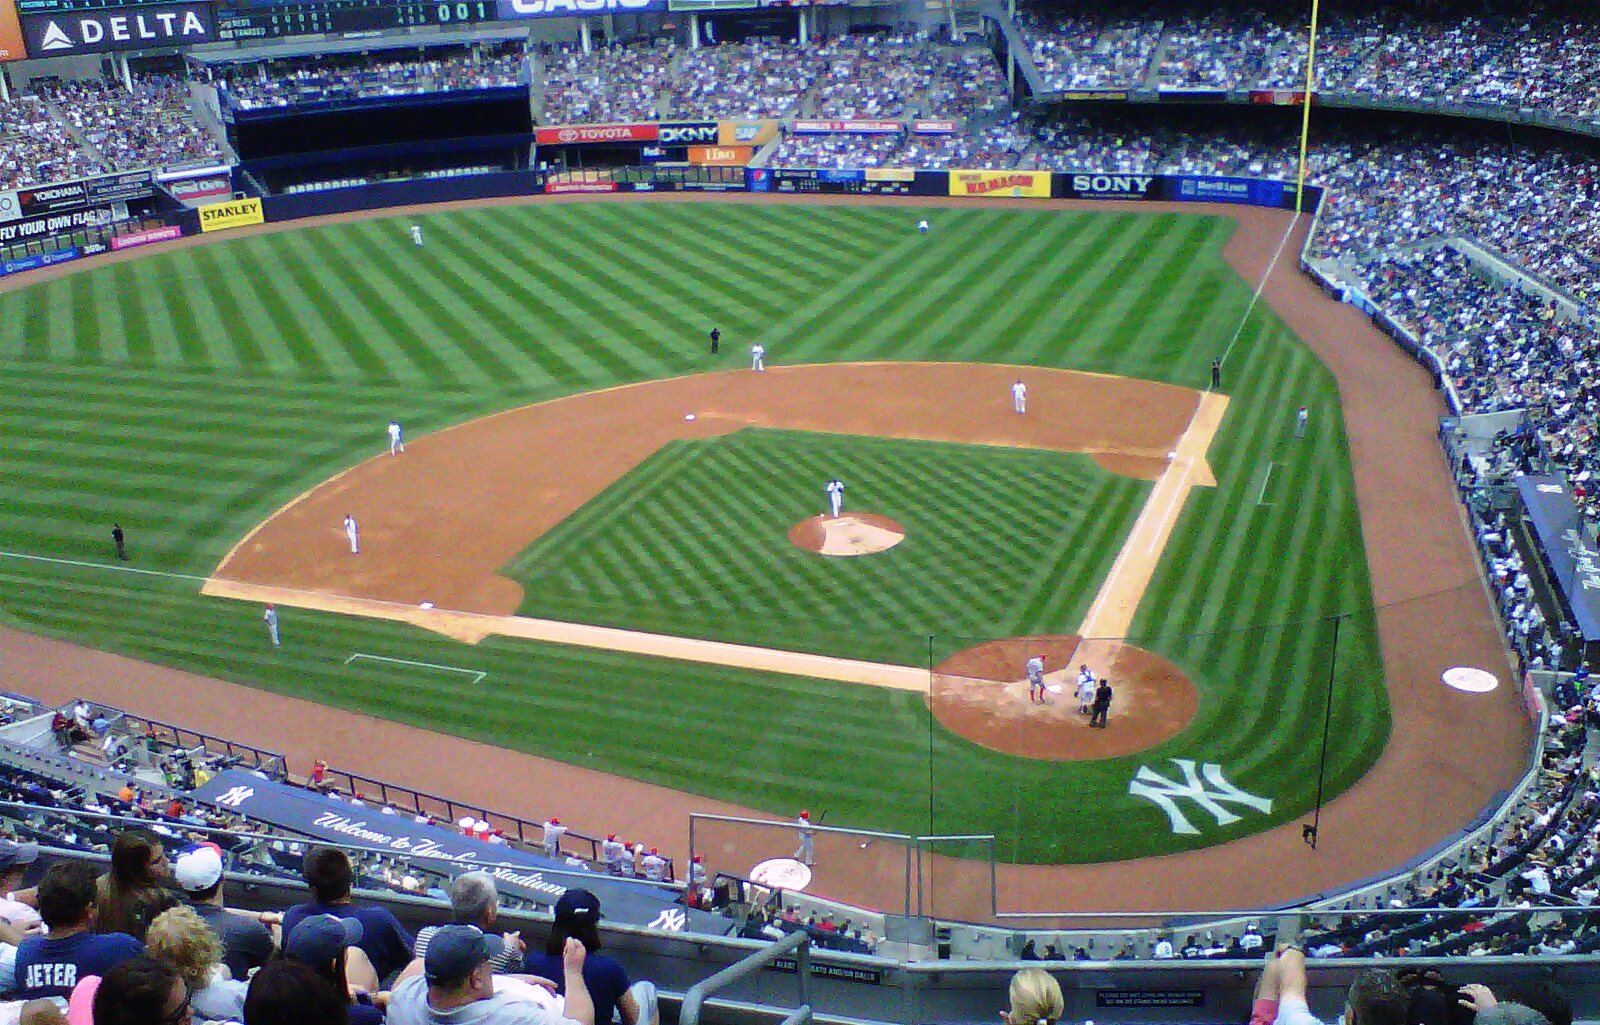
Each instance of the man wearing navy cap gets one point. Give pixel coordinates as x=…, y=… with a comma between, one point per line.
x=456, y=986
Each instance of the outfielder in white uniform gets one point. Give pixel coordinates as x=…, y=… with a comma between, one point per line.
x=396, y=442
x=416, y=235
x=1302, y=416
x=271, y=616
x=806, y=853
x=353, y=532
x=1035, y=670
x=835, y=491
x=922, y=226
x=758, y=357
x=1086, y=689
x=1019, y=397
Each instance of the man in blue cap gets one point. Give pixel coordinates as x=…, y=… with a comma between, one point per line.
x=456, y=986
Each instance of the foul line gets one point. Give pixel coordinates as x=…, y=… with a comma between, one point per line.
x=476, y=674
x=113, y=567
x=1261, y=499
x=1255, y=297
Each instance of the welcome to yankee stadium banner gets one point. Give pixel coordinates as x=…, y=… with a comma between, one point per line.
x=1565, y=539
x=516, y=873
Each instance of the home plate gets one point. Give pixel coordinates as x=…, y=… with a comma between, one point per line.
x=1054, y=688
x=1473, y=681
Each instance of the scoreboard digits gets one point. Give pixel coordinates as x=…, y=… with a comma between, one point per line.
x=340, y=16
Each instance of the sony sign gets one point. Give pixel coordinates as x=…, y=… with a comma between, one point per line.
x=507, y=9
x=1111, y=184
x=147, y=28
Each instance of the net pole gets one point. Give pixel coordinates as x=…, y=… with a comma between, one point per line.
x=1305, y=113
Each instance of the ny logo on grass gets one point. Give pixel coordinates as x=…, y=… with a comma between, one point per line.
x=1209, y=793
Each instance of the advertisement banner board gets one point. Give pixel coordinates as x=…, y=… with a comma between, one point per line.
x=10, y=206
x=204, y=186
x=115, y=187
x=514, y=10
x=11, y=48
x=746, y=133
x=582, y=135
x=144, y=238
x=47, y=225
x=847, y=127
x=1108, y=186
x=237, y=213
x=1565, y=538
x=721, y=156
x=558, y=188
x=933, y=127
x=1214, y=189
x=517, y=872
x=687, y=133
x=115, y=28
x=890, y=174
x=38, y=260
x=1015, y=184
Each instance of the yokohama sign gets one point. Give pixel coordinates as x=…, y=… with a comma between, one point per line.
x=580, y=135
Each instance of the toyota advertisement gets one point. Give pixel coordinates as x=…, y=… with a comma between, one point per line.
x=583, y=135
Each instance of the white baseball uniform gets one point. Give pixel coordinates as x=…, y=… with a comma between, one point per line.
x=416, y=234
x=1019, y=397
x=553, y=832
x=1086, y=689
x=835, y=491
x=1301, y=418
x=806, y=853
x=353, y=532
x=396, y=442
x=922, y=226
x=271, y=616
x=758, y=357
x=611, y=854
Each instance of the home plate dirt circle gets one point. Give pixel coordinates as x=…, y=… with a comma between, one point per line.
x=981, y=693
x=848, y=534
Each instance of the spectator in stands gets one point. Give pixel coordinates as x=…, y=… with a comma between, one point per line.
x=290, y=993
x=136, y=889
x=246, y=942
x=324, y=942
x=51, y=966
x=179, y=938
x=1035, y=999
x=454, y=985
x=140, y=991
x=475, y=901
x=1375, y=997
x=577, y=916
x=383, y=939
x=16, y=918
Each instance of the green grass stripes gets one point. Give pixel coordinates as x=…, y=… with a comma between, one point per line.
x=189, y=393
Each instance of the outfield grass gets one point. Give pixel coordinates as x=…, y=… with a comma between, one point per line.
x=188, y=394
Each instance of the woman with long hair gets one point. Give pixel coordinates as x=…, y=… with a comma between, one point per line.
x=181, y=938
x=136, y=889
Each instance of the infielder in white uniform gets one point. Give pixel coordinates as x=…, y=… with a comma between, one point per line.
x=758, y=357
x=353, y=532
x=806, y=853
x=1035, y=669
x=416, y=235
x=1085, y=689
x=396, y=442
x=835, y=491
x=1019, y=397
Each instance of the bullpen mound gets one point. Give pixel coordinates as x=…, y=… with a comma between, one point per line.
x=981, y=693
x=849, y=534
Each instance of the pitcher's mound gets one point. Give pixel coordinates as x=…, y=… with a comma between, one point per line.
x=850, y=534
x=981, y=693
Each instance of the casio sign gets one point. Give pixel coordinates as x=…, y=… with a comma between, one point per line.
x=1111, y=184
x=558, y=8
x=688, y=134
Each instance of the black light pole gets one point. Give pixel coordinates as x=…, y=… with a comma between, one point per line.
x=1308, y=832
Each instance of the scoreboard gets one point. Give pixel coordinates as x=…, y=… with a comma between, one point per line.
x=340, y=16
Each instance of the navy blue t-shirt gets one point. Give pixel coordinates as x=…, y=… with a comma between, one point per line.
x=383, y=938
x=606, y=978
x=51, y=968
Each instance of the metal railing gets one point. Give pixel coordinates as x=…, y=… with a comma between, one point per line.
x=798, y=942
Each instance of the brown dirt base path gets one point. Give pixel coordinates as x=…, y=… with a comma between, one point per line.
x=1433, y=777
x=1154, y=699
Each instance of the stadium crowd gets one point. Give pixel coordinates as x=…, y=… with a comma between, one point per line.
x=297, y=81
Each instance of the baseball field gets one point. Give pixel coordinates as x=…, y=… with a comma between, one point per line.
x=226, y=404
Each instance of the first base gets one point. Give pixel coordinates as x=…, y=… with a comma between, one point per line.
x=688, y=416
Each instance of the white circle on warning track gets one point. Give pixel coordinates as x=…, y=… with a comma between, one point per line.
x=1471, y=680
x=781, y=874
